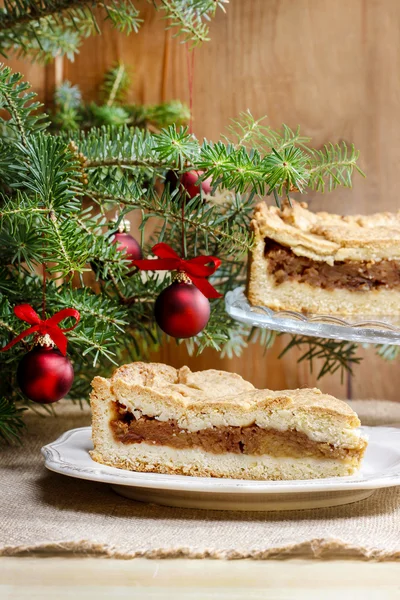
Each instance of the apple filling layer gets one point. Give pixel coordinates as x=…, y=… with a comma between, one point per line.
x=128, y=428
x=284, y=265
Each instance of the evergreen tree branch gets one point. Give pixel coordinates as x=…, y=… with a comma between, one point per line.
x=9, y=329
x=45, y=28
x=335, y=354
x=18, y=103
x=115, y=84
x=188, y=16
x=11, y=423
x=27, y=11
x=202, y=220
x=253, y=133
x=332, y=166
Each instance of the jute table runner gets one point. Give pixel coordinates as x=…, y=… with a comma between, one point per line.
x=42, y=512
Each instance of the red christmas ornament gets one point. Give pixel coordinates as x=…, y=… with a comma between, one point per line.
x=188, y=182
x=128, y=243
x=45, y=375
x=125, y=242
x=181, y=310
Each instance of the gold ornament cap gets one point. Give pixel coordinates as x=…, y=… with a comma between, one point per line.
x=44, y=340
x=124, y=224
x=181, y=277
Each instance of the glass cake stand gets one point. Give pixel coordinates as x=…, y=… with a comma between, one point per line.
x=376, y=330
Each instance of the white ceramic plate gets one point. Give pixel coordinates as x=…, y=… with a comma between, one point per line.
x=69, y=455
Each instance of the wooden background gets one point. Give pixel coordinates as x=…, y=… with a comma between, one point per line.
x=332, y=67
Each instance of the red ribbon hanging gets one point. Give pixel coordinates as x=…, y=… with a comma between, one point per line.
x=50, y=326
x=195, y=268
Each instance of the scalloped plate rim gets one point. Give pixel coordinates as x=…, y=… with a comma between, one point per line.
x=56, y=459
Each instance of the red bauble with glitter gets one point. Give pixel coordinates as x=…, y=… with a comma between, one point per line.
x=125, y=242
x=181, y=310
x=45, y=375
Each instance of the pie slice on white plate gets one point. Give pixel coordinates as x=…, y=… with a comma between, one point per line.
x=154, y=418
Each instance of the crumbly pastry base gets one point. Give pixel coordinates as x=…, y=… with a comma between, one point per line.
x=198, y=463
x=302, y=297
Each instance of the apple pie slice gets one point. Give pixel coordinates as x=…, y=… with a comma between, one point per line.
x=154, y=418
x=324, y=263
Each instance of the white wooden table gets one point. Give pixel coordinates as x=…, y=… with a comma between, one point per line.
x=54, y=578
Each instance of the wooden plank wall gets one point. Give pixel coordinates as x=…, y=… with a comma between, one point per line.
x=332, y=67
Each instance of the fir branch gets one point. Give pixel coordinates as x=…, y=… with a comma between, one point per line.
x=44, y=41
x=161, y=115
x=49, y=169
x=234, y=168
x=67, y=96
x=28, y=11
x=9, y=329
x=19, y=240
x=11, y=423
x=68, y=102
x=108, y=115
x=112, y=146
x=176, y=146
x=21, y=210
x=45, y=28
x=197, y=216
x=253, y=133
x=61, y=248
x=387, y=351
x=230, y=167
x=115, y=161
x=123, y=15
x=18, y=102
x=285, y=170
x=47, y=174
x=335, y=354
x=135, y=147
x=332, y=166
x=188, y=16
x=115, y=85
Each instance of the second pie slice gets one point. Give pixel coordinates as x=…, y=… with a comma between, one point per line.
x=324, y=263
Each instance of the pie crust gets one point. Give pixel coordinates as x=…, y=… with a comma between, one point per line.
x=353, y=250
x=152, y=417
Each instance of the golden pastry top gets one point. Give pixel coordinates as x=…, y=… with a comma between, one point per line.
x=328, y=237
x=212, y=398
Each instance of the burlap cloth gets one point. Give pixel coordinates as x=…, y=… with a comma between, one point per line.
x=42, y=512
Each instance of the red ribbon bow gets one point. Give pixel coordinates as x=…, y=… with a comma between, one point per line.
x=50, y=326
x=195, y=268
